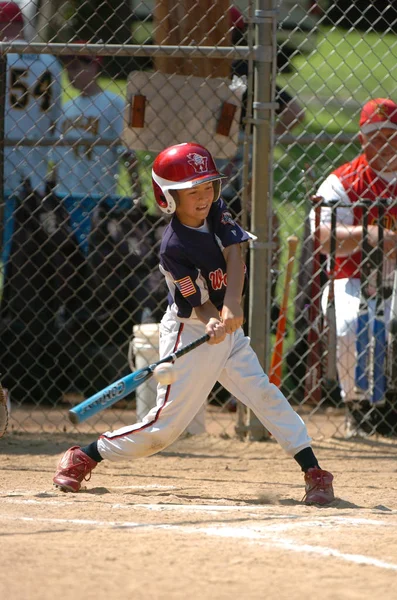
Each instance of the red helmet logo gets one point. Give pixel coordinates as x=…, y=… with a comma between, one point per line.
x=198, y=162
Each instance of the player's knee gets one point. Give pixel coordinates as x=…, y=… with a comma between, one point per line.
x=157, y=444
x=158, y=440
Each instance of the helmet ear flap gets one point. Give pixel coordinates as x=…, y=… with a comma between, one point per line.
x=164, y=200
x=159, y=196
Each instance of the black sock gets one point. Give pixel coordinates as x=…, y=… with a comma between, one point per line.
x=92, y=451
x=306, y=459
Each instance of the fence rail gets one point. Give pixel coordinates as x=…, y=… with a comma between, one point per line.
x=205, y=52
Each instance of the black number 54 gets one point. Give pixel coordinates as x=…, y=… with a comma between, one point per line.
x=20, y=93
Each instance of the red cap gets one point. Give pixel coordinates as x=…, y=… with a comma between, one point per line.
x=378, y=114
x=236, y=18
x=10, y=13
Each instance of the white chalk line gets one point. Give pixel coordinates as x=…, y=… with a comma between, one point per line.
x=299, y=521
x=264, y=536
x=46, y=498
x=151, y=486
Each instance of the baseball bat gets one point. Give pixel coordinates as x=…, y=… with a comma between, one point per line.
x=379, y=342
x=392, y=339
x=330, y=314
x=314, y=367
x=3, y=412
x=277, y=356
x=362, y=333
x=125, y=386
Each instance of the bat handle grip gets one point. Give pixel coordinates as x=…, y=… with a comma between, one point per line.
x=201, y=340
x=172, y=357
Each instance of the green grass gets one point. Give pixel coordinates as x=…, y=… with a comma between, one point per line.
x=348, y=66
x=344, y=72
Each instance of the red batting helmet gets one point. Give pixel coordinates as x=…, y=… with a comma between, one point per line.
x=10, y=13
x=180, y=167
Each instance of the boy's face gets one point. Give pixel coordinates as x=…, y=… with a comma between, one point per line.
x=380, y=148
x=193, y=204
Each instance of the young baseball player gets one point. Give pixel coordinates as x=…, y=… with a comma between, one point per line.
x=200, y=257
x=370, y=175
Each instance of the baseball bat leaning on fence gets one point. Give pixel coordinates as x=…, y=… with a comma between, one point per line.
x=314, y=367
x=362, y=333
x=392, y=339
x=379, y=343
x=125, y=386
x=3, y=412
x=363, y=345
x=330, y=315
x=277, y=356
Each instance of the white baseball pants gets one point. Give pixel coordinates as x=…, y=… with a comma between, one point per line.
x=235, y=365
x=347, y=301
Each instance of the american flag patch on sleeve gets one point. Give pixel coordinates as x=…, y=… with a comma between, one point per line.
x=186, y=286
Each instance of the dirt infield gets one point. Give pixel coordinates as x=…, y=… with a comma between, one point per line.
x=208, y=517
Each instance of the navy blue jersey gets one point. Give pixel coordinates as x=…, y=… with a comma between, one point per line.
x=192, y=260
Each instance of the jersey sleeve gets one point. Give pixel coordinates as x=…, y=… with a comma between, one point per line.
x=227, y=231
x=332, y=189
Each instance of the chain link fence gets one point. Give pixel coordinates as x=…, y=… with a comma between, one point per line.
x=91, y=95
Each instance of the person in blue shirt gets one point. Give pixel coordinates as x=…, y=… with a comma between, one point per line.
x=201, y=259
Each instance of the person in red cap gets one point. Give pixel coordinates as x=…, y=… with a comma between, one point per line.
x=201, y=260
x=371, y=175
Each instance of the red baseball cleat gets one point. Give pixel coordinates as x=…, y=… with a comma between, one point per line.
x=74, y=467
x=319, y=488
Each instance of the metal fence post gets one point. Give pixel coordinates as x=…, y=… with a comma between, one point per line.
x=261, y=218
x=3, y=76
